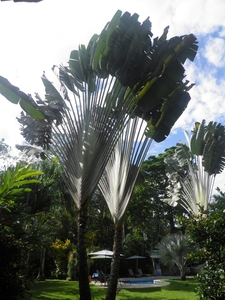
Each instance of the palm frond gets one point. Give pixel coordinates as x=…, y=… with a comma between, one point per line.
x=118, y=179
x=14, y=95
x=205, y=158
x=174, y=249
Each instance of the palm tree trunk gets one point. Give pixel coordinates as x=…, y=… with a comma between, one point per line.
x=115, y=265
x=84, y=288
x=182, y=275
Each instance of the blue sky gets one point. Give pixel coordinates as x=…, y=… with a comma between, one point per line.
x=34, y=37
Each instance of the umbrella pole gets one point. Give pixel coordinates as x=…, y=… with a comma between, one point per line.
x=105, y=265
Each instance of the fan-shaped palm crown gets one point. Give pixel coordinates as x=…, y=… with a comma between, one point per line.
x=204, y=156
x=119, y=177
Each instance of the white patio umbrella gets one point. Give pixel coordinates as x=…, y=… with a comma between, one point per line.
x=102, y=253
x=100, y=256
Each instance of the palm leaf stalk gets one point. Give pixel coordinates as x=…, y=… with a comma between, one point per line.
x=122, y=73
x=117, y=183
x=204, y=156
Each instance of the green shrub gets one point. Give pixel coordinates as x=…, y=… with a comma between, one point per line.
x=14, y=283
x=211, y=280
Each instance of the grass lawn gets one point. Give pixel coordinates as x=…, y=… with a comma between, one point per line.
x=68, y=290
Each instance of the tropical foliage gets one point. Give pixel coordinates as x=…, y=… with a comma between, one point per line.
x=156, y=218
x=208, y=234
x=174, y=250
x=120, y=74
x=14, y=183
x=194, y=166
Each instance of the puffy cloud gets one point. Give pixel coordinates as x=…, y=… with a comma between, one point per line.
x=215, y=51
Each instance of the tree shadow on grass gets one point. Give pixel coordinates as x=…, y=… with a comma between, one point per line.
x=55, y=290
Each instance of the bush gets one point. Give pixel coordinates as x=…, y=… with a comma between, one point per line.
x=211, y=280
x=14, y=283
x=208, y=233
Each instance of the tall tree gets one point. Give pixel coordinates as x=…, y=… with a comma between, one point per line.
x=204, y=156
x=121, y=73
x=117, y=184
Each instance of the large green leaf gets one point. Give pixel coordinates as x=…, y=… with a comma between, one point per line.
x=101, y=48
x=152, y=70
x=14, y=95
x=214, y=148
x=166, y=114
x=197, y=139
x=164, y=97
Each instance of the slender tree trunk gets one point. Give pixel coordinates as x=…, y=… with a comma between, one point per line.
x=41, y=271
x=85, y=292
x=115, y=265
x=172, y=225
x=182, y=275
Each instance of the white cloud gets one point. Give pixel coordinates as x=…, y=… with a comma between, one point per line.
x=215, y=51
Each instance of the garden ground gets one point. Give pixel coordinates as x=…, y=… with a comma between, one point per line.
x=68, y=290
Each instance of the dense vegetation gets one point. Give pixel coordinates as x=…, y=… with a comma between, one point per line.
x=41, y=227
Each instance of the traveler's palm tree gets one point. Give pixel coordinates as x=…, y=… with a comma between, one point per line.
x=204, y=156
x=116, y=185
x=121, y=74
